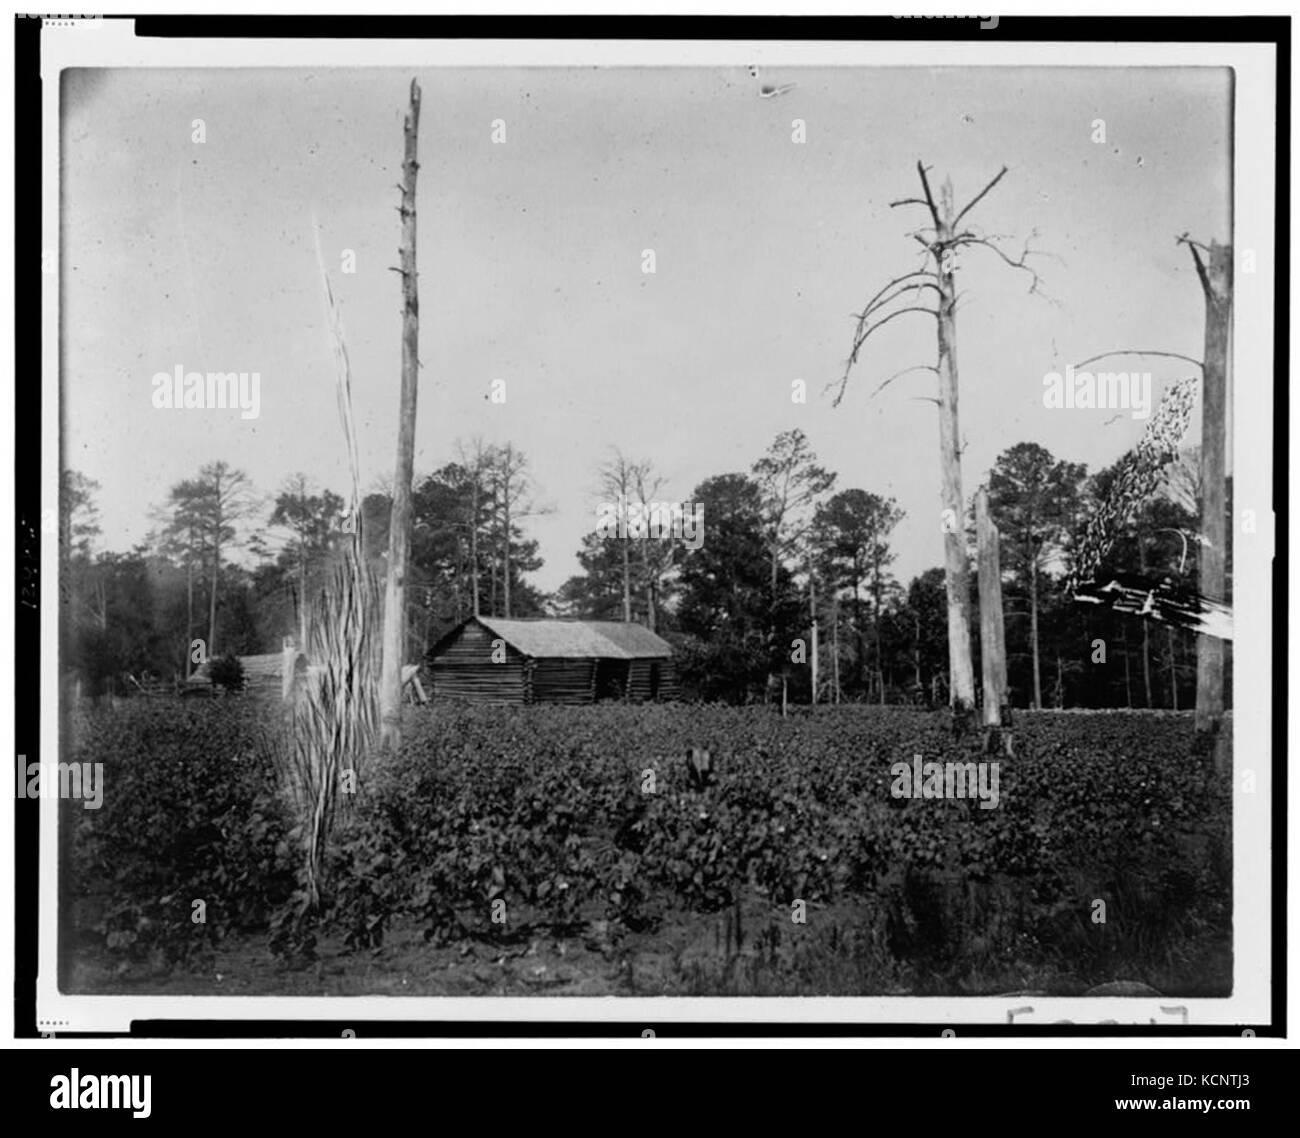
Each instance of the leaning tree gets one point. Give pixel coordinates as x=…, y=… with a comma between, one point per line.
x=935, y=278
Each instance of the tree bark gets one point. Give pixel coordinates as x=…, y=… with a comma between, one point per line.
x=399, y=529
x=1216, y=281
x=993, y=648
x=956, y=573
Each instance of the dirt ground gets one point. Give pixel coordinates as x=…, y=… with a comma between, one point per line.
x=687, y=954
x=837, y=952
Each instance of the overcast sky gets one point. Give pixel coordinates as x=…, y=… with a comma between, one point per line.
x=530, y=257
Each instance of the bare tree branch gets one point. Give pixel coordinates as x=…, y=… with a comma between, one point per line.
x=878, y=304
x=1194, y=246
x=897, y=280
x=1184, y=239
x=929, y=197
x=909, y=201
x=899, y=374
x=976, y=199
x=860, y=338
x=1035, y=284
x=1136, y=352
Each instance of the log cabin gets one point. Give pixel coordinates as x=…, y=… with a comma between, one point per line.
x=487, y=660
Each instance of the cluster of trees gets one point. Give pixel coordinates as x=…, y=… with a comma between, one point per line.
x=237, y=571
x=783, y=546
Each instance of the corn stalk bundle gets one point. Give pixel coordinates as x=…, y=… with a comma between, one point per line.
x=335, y=716
x=335, y=713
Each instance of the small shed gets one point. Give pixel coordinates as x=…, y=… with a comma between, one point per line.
x=486, y=660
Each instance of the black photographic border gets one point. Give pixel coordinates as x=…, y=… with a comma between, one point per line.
x=28, y=287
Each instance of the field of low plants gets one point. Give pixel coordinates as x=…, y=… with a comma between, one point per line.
x=563, y=850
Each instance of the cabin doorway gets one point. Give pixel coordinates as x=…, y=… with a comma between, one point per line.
x=611, y=679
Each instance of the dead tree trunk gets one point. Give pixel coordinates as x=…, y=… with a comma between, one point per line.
x=1215, y=274
x=399, y=529
x=993, y=648
x=962, y=678
x=943, y=240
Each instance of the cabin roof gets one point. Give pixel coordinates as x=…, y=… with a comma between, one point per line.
x=571, y=639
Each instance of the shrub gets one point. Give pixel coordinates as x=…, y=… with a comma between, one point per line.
x=227, y=672
x=547, y=809
x=585, y=816
x=190, y=812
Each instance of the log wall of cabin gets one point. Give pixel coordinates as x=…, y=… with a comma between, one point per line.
x=464, y=669
x=641, y=682
x=558, y=680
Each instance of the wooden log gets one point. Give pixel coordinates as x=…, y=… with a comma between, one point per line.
x=1216, y=281
x=399, y=528
x=961, y=692
x=993, y=648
